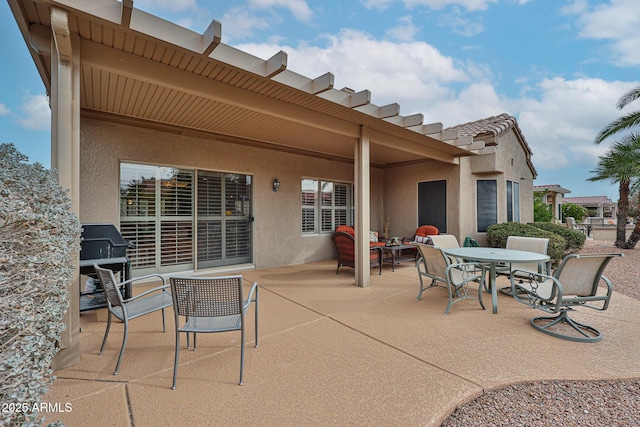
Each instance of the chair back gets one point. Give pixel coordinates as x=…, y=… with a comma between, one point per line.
x=109, y=285
x=345, y=245
x=529, y=244
x=445, y=241
x=580, y=274
x=434, y=260
x=470, y=242
x=571, y=222
x=207, y=296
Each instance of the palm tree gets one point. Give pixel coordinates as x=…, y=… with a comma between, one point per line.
x=625, y=122
x=621, y=164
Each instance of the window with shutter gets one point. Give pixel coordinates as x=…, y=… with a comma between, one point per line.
x=174, y=216
x=332, y=208
x=487, y=203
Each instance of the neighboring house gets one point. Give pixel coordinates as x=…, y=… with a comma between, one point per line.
x=598, y=206
x=208, y=157
x=553, y=197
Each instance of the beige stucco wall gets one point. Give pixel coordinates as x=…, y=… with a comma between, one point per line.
x=401, y=195
x=277, y=236
x=509, y=162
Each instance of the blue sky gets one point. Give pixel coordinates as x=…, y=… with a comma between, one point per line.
x=559, y=67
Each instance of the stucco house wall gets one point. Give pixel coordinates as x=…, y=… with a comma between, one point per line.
x=505, y=160
x=278, y=239
x=401, y=194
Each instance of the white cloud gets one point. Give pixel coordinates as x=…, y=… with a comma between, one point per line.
x=562, y=122
x=299, y=8
x=4, y=110
x=439, y=4
x=433, y=4
x=575, y=8
x=414, y=74
x=238, y=23
x=460, y=25
x=35, y=113
x=616, y=22
x=559, y=117
x=377, y=4
x=170, y=5
x=405, y=30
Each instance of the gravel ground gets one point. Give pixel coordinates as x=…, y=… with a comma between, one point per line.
x=566, y=403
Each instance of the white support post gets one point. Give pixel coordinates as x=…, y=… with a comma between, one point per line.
x=65, y=152
x=362, y=192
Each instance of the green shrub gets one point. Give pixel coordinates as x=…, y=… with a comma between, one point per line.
x=541, y=211
x=497, y=237
x=575, y=239
x=39, y=245
x=576, y=211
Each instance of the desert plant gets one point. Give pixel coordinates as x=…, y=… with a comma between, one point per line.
x=39, y=244
x=497, y=237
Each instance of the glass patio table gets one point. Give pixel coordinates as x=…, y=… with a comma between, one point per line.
x=493, y=256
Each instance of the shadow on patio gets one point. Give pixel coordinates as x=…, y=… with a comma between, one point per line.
x=334, y=354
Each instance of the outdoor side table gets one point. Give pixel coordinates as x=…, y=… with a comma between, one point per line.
x=395, y=254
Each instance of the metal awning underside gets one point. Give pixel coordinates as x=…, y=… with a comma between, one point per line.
x=138, y=68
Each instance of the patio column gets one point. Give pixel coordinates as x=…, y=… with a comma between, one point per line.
x=65, y=156
x=362, y=194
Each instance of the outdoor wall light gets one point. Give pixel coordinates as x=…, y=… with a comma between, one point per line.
x=276, y=185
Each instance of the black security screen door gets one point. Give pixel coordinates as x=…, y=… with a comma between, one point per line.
x=432, y=204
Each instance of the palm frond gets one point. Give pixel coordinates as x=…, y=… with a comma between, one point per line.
x=618, y=125
x=628, y=97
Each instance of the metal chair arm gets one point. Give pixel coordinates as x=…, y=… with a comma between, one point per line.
x=157, y=288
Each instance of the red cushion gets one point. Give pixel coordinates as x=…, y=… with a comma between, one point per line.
x=374, y=244
x=427, y=230
x=346, y=229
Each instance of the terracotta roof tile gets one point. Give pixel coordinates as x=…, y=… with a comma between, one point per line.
x=491, y=125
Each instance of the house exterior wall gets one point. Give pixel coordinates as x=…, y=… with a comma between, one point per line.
x=508, y=162
x=512, y=160
x=277, y=236
x=401, y=195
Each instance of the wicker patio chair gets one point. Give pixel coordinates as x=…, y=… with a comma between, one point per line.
x=574, y=284
x=434, y=265
x=125, y=310
x=211, y=305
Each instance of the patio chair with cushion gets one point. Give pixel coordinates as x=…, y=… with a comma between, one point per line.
x=435, y=266
x=211, y=305
x=574, y=284
x=345, y=244
x=445, y=241
x=528, y=244
x=422, y=234
x=124, y=310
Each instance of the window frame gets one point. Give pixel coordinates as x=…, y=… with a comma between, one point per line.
x=513, y=200
x=491, y=204
x=317, y=209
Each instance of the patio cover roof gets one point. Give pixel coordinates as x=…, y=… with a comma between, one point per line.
x=138, y=68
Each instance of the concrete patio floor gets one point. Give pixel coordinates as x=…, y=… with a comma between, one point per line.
x=331, y=353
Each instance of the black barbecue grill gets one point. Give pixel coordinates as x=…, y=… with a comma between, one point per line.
x=102, y=244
